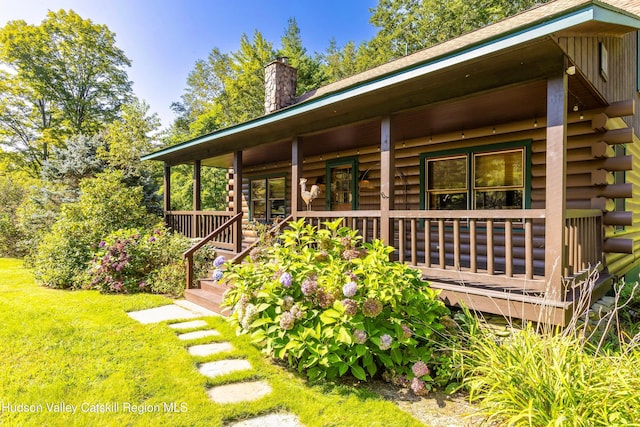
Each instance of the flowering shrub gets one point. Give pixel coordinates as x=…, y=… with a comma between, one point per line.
x=329, y=305
x=129, y=261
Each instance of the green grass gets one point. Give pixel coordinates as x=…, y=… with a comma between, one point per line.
x=80, y=348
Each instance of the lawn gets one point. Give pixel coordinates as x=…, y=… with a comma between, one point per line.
x=64, y=350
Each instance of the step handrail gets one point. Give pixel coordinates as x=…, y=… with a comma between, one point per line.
x=188, y=254
x=276, y=228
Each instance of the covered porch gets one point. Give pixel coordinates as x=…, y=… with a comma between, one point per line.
x=511, y=259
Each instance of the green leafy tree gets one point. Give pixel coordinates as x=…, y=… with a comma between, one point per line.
x=128, y=138
x=406, y=26
x=15, y=187
x=310, y=73
x=243, y=97
x=339, y=63
x=67, y=76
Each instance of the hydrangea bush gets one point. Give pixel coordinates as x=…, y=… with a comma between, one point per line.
x=132, y=260
x=328, y=304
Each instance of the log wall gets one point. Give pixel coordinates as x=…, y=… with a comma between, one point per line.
x=620, y=84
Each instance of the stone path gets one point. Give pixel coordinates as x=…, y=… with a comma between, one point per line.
x=189, y=319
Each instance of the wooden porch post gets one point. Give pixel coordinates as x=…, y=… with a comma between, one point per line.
x=237, y=199
x=555, y=195
x=296, y=173
x=167, y=190
x=197, y=200
x=387, y=174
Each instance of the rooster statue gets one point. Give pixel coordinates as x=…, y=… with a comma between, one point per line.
x=308, y=196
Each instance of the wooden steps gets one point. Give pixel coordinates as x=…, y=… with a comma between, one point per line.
x=209, y=296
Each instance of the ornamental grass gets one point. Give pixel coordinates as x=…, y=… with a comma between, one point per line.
x=587, y=374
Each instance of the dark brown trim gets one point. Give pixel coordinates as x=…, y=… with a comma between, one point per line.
x=556, y=154
x=237, y=198
x=296, y=173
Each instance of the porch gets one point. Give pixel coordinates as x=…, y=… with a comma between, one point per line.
x=492, y=261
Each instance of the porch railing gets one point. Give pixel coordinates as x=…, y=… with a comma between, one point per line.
x=196, y=224
x=366, y=222
x=225, y=228
x=584, y=238
x=503, y=248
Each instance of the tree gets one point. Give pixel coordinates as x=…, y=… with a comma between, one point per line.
x=127, y=139
x=310, y=74
x=66, y=77
x=339, y=63
x=406, y=26
x=243, y=97
x=76, y=160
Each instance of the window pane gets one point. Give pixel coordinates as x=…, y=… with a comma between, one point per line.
x=277, y=208
x=447, y=174
x=448, y=201
x=258, y=212
x=502, y=169
x=276, y=188
x=258, y=189
x=505, y=199
x=341, y=188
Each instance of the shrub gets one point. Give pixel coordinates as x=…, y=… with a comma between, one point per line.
x=329, y=305
x=105, y=205
x=130, y=261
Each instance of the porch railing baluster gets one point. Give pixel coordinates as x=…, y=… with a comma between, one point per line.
x=490, y=269
x=473, y=256
x=441, y=244
x=508, y=248
x=528, y=248
x=414, y=243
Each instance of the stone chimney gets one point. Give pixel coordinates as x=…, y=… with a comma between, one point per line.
x=280, y=81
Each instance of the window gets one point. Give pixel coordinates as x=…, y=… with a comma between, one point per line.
x=266, y=198
x=447, y=183
x=498, y=181
x=492, y=177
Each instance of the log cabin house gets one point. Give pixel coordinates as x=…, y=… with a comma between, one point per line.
x=504, y=164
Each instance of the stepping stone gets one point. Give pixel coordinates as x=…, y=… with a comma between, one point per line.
x=198, y=334
x=189, y=325
x=270, y=420
x=209, y=349
x=239, y=392
x=161, y=314
x=223, y=367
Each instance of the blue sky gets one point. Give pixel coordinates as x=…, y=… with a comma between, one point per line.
x=164, y=38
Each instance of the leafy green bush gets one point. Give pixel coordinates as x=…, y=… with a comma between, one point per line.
x=105, y=205
x=130, y=260
x=329, y=305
